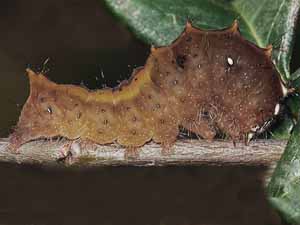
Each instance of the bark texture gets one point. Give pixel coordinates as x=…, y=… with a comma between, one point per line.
x=185, y=152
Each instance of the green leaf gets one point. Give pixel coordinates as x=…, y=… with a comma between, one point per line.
x=292, y=102
x=283, y=130
x=261, y=21
x=286, y=121
x=296, y=80
x=284, y=188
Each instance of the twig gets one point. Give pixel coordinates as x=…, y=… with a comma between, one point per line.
x=186, y=152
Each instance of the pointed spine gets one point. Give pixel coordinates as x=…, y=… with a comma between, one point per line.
x=268, y=51
x=234, y=28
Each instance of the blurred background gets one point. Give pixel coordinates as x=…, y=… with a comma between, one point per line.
x=83, y=44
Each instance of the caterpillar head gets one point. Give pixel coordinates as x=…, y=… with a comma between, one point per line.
x=41, y=116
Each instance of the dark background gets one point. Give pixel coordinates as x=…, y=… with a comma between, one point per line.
x=83, y=41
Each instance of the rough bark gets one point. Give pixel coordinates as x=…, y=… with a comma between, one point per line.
x=185, y=152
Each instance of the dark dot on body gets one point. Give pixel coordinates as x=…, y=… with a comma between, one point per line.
x=264, y=66
x=133, y=132
x=228, y=36
x=205, y=114
x=103, y=110
x=180, y=60
x=162, y=121
x=189, y=39
x=216, y=97
x=42, y=99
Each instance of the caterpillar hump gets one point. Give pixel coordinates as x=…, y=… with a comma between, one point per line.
x=205, y=81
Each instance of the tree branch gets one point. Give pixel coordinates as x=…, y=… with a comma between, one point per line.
x=186, y=152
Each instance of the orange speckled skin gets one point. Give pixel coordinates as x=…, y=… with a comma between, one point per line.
x=204, y=81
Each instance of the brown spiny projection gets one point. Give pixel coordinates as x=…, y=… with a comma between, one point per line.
x=205, y=81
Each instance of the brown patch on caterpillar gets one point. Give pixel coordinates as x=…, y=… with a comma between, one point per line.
x=204, y=81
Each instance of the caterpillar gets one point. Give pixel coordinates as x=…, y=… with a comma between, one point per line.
x=206, y=81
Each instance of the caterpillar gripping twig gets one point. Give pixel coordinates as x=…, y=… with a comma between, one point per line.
x=205, y=81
